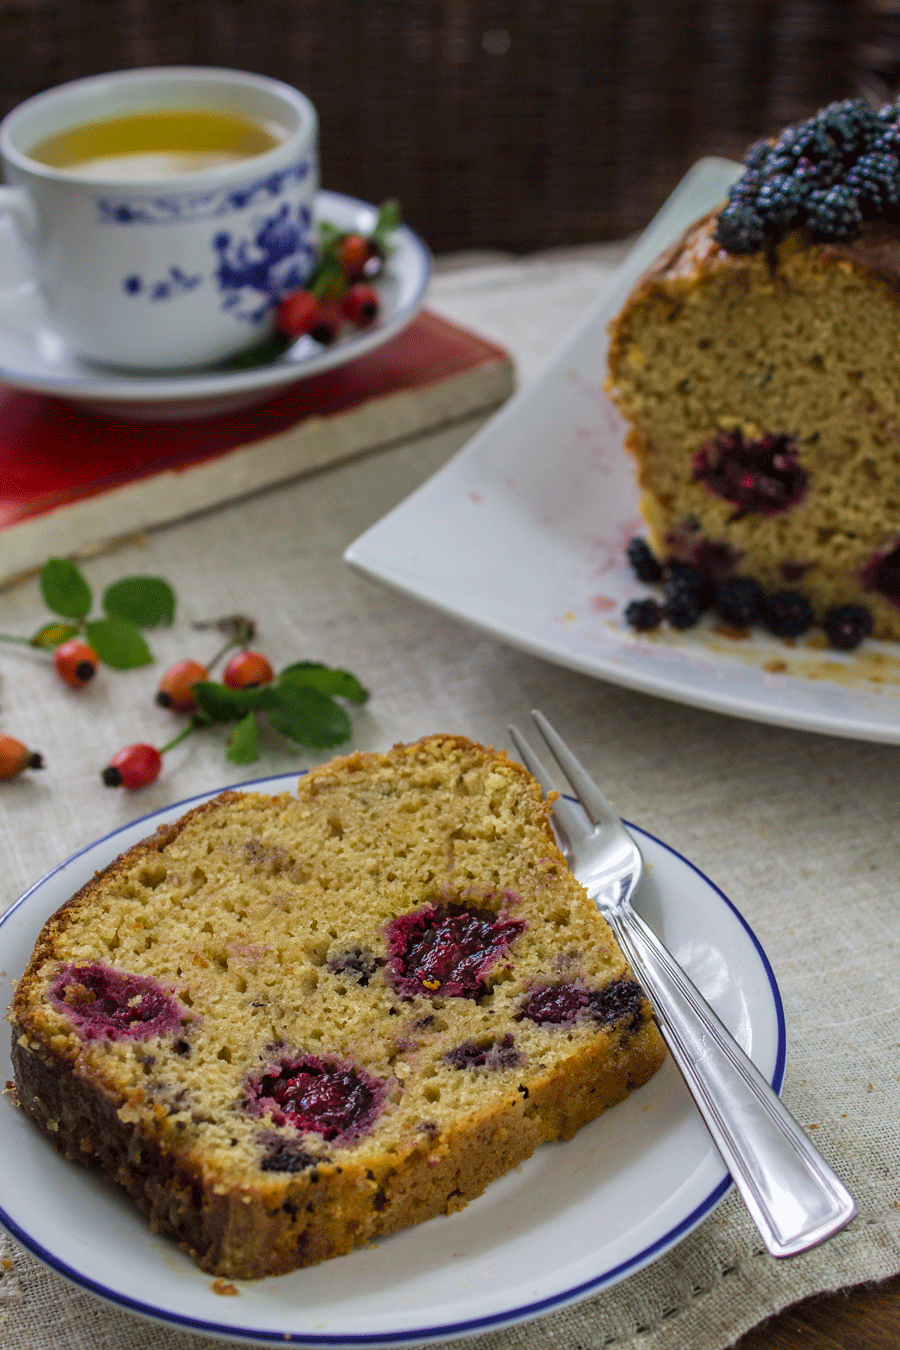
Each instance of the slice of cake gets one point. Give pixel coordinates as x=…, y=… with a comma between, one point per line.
x=286, y=1025
x=756, y=365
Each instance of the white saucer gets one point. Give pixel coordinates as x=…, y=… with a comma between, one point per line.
x=33, y=356
x=574, y=1219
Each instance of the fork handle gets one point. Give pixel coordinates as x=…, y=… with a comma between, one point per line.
x=793, y=1197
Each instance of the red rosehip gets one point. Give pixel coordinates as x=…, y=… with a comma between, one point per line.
x=175, y=689
x=298, y=312
x=14, y=757
x=352, y=253
x=247, y=670
x=75, y=662
x=133, y=767
x=328, y=325
x=360, y=305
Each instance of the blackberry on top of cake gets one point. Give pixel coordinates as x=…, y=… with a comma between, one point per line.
x=755, y=363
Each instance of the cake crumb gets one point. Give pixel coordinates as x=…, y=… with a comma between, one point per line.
x=223, y=1287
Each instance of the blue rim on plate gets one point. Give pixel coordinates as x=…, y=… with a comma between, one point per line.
x=435, y=1330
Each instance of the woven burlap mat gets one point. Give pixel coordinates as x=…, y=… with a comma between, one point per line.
x=799, y=830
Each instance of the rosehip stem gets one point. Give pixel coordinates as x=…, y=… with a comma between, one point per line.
x=239, y=640
x=193, y=725
x=242, y=631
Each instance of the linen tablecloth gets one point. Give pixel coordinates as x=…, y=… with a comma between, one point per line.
x=799, y=830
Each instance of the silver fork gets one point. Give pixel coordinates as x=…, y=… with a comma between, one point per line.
x=793, y=1196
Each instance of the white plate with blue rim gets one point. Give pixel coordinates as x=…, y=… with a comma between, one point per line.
x=523, y=535
x=573, y=1220
x=34, y=356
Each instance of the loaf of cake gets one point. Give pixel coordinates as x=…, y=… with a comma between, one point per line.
x=755, y=364
x=289, y=1024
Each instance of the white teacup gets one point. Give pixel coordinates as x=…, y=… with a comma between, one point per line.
x=172, y=268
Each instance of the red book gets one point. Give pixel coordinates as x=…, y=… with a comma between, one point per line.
x=72, y=479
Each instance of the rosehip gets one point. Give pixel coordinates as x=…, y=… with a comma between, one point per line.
x=14, y=757
x=175, y=689
x=360, y=305
x=298, y=312
x=353, y=252
x=75, y=662
x=133, y=767
x=247, y=670
x=328, y=325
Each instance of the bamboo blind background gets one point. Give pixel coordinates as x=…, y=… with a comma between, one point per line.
x=512, y=124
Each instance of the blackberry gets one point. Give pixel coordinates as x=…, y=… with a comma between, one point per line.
x=851, y=125
x=846, y=626
x=739, y=600
x=883, y=575
x=779, y=202
x=620, y=1001
x=643, y=562
x=643, y=615
x=683, y=601
x=888, y=141
x=807, y=140
x=446, y=950
x=283, y=1155
x=756, y=155
x=810, y=176
x=762, y=476
x=875, y=181
x=688, y=576
x=787, y=614
x=552, y=1003
x=486, y=1054
x=833, y=214
x=739, y=228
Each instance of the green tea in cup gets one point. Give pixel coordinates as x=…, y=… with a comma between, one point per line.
x=163, y=211
x=156, y=144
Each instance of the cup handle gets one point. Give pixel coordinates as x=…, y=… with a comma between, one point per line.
x=19, y=299
x=17, y=202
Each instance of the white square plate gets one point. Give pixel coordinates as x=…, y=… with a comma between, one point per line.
x=523, y=535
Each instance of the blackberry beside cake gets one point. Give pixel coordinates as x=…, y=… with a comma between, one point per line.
x=287, y=1025
x=756, y=365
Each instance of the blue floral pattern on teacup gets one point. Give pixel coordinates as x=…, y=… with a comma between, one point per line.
x=176, y=207
x=251, y=273
x=176, y=283
x=277, y=259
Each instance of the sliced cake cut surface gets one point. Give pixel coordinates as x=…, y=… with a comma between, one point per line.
x=289, y=1024
x=755, y=365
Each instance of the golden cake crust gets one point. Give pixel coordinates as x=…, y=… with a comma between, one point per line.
x=250, y=915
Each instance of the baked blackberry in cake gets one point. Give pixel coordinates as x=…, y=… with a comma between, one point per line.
x=289, y=1024
x=755, y=365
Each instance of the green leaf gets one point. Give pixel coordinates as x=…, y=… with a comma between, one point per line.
x=217, y=703
x=145, y=601
x=326, y=679
x=389, y=219
x=53, y=634
x=64, y=589
x=328, y=235
x=263, y=355
x=305, y=715
x=242, y=743
x=118, y=643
